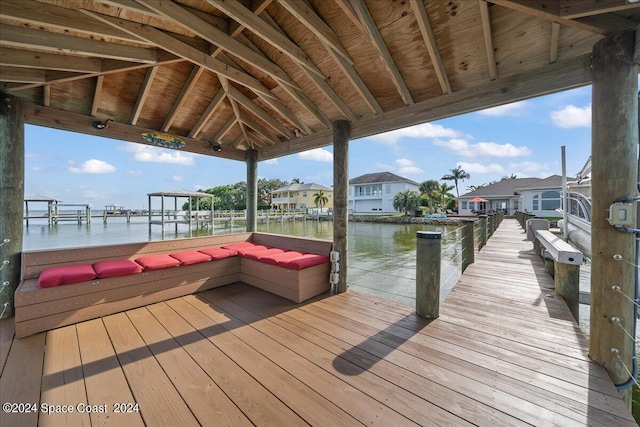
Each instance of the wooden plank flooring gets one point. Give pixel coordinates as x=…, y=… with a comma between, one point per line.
x=504, y=351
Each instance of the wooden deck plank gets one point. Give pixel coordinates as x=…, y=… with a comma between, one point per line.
x=104, y=380
x=255, y=400
x=21, y=380
x=159, y=401
x=62, y=379
x=7, y=332
x=205, y=399
x=291, y=349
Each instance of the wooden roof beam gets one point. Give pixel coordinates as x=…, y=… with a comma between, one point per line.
x=208, y=32
x=96, y=95
x=350, y=13
x=572, y=9
x=21, y=75
x=234, y=106
x=142, y=95
x=236, y=11
x=485, y=17
x=30, y=38
x=327, y=37
x=179, y=48
x=37, y=14
x=74, y=122
x=208, y=112
x=555, y=40
x=598, y=21
x=259, y=112
x=259, y=128
x=48, y=61
x=422, y=18
x=562, y=75
x=225, y=128
x=378, y=43
x=195, y=74
x=305, y=14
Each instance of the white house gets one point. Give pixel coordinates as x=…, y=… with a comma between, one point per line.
x=538, y=196
x=374, y=192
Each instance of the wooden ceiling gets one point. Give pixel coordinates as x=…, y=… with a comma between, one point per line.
x=273, y=74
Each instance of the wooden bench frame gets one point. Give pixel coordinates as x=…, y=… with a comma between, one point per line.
x=40, y=309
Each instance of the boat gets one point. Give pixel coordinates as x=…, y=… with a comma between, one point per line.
x=578, y=211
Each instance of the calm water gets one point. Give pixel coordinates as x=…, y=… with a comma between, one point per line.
x=382, y=257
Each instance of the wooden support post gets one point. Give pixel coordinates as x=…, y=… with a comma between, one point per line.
x=468, y=254
x=614, y=148
x=341, y=130
x=252, y=190
x=11, y=196
x=483, y=232
x=567, y=284
x=428, y=259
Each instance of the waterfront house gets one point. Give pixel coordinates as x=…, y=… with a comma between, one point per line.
x=374, y=192
x=538, y=196
x=300, y=196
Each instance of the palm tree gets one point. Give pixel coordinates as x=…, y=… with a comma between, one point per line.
x=429, y=188
x=457, y=174
x=476, y=187
x=443, y=194
x=320, y=199
x=406, y=200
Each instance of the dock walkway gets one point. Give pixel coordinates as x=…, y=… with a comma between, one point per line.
x=505, y=351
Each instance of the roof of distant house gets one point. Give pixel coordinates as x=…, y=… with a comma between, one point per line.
x=509, y=187
x=371, y=178
x=303, y=187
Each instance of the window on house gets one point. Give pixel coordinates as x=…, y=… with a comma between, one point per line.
x=550, y=200
x=304, y=194
x=388, y=188
x=472, y=205
x=463, y=204
x=368, y=190
x=535, y=202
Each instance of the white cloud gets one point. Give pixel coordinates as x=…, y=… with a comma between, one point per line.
x=93, y=166
x=317, y=155
x=177, y=178
x=529, y=168
x=270, y=162
x=482, y=149
x=425, y=130
x=509, y=110
x=135, y=172
x=472, y=168
x=408, y=167
x=572, y=117
x=144, y=153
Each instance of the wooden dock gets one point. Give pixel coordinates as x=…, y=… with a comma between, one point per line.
x=505, y=351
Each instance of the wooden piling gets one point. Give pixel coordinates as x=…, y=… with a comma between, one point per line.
x=428, y=259
x=614, y=148
x=467, y=244
x=482, y=241
x=567, y=284
x=11, y=197
x=252, y=191
x=341, y=130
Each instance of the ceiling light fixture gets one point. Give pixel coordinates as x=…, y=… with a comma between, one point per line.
x=215, y=146
x=101, y=125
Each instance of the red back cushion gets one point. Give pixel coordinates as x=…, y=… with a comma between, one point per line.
x=257, y=255
x=284, y=256
x=157, y=262
x=116, y=268
x=249, y=249
x=191, y=257
x=237, y=245
x=304, y=261
x=66, y=275
x=218, y=253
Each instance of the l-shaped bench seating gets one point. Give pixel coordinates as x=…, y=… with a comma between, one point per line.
x=65, y=286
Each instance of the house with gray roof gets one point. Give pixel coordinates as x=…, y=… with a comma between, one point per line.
x=538, y=196
x=300, y=196
x=373, y=193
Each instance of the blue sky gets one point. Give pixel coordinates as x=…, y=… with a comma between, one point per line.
x=523, y=138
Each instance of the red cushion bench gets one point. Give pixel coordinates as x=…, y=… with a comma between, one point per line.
x=107, y=279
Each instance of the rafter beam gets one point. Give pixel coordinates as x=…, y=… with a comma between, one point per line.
x=327, y=37
x=485, y=18
x=21, y=75
x=236, y=11
x=196, y=72
x=36, y=14
x=562, y=75
x=179, y=48
x=422, y=18
x=96, y=95
x=572, y=9
x=234, y=106
x=208, y=32
x=48, y=61
x=142, y=95
x=225, y=128
x=555, y=40
x=259, y=112
x=74, y=122
x=47, y=95
x=305, y=14
x=208, y=112
x=249, y=121
x=350, y=13
x=378, y=43
x=30, y=38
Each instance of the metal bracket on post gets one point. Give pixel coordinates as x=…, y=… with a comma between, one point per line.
x=334, y=276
